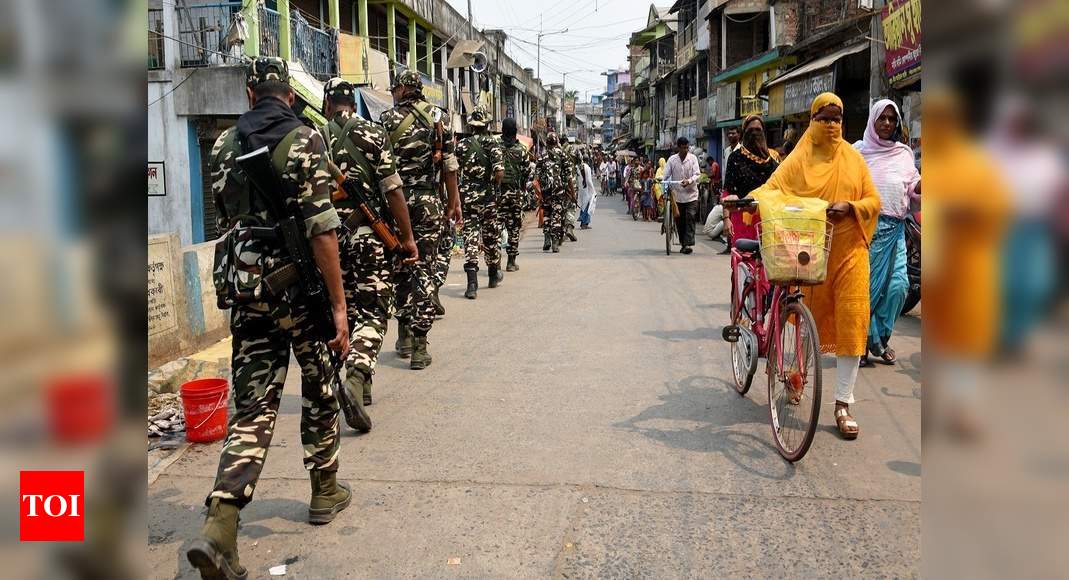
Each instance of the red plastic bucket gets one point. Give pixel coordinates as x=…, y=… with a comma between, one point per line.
x=205, y=405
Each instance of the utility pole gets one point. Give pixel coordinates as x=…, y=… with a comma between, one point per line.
x=538, y=57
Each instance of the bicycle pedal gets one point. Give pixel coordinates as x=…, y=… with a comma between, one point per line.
x=731, y=333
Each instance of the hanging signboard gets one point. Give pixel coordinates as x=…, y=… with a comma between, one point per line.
x=799, y=93
x=902, y=31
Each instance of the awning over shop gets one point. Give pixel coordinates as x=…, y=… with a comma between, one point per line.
x=816, y=65
x=309, y=90
x=746, y=66
x=376, y=102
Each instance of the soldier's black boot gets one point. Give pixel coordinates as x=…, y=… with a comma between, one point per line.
x=215, y=552
x=328, y=496
x=404, y=339
x=473, y=284
x=511, y=266
x=350, y=397
x=496, y=277
x=548, y=243
x=421, y=359
x=439, y=310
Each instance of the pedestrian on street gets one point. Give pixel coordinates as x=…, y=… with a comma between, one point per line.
x=588, y=194
x=683, y=167
x=513, y=188
x=268, y=322
x=733, y=146
x=482, y=167
x=748, y=168
x=898, y=182
x=825, y=166
x=361, y=151
x=424, y=151
x=555, y=179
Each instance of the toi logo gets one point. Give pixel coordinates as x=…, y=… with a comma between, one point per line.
x=51, y=506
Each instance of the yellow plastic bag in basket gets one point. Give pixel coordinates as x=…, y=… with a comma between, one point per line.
x=793, y=236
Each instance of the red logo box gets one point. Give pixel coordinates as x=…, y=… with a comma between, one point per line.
x=51, y=506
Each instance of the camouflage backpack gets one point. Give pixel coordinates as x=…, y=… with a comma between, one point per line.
x=244, y=253
x=515, y=162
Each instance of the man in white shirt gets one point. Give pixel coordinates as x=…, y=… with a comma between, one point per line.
x=683, y=166
x=733, y=145
x=613, y=176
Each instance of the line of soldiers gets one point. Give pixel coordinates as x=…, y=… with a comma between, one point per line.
x=402, y=172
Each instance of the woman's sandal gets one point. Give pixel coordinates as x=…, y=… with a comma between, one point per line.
x=847, y=425
x=884, y=356
x=866, y=362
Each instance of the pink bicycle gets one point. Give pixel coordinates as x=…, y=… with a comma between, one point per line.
x=770, y=320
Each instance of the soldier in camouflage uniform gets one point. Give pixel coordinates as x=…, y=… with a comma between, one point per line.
x=571, y=202
x=422, y=147
x=557, y=180
x=268, y=322
x=362, y=153
x=513, y=188
x=482, y=168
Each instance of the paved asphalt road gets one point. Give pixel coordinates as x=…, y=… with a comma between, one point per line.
x=578, y=422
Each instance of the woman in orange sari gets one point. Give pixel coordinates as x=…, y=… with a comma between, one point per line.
x=823, y=165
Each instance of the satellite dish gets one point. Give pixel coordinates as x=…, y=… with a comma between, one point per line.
x=478, y=62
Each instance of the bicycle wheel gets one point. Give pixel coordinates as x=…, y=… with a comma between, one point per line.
x=744, y=351
x=794, y=381
x=669, y=226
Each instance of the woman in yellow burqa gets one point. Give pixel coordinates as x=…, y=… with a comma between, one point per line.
x=824, y=165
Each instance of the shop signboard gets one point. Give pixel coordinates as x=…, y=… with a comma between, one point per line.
x=799, y=93
x=902, y=31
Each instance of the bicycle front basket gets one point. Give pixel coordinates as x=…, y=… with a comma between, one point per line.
x=795, y=250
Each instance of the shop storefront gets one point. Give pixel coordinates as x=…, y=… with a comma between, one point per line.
x=842, y=72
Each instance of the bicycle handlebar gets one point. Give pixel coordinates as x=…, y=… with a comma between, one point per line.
x=742, y=203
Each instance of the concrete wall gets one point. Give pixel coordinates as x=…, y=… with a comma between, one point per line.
x=182, y=314
x=169, y=142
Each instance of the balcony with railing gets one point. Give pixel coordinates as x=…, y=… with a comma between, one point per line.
x=202, y=33
x=206, y=33
x=156, y=54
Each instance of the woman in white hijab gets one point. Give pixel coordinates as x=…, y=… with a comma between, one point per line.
x=896, y=178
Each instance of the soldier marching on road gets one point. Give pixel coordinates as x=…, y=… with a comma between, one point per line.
x=557, y=180
x=269, y=319
x=362, y=152
x=482, y=168
x=423, y=147
x=513, y=189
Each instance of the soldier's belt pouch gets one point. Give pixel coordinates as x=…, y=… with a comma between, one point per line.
x=238, y=273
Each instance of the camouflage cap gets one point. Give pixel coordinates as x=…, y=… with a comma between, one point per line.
x=478, y=118
x=338, y=87
x=266, y=68
x=409, y=78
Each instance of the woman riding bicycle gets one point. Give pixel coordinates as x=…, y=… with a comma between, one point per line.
x=825, y=166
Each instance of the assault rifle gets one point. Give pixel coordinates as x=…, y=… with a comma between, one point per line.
x=350, y=189
x=289, y=226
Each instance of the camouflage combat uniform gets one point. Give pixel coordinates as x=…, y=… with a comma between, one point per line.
x=555, y=176
x=479, y=199
x=514, y=193
x=367, y=272
x=265, y=330
x=414, y=149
